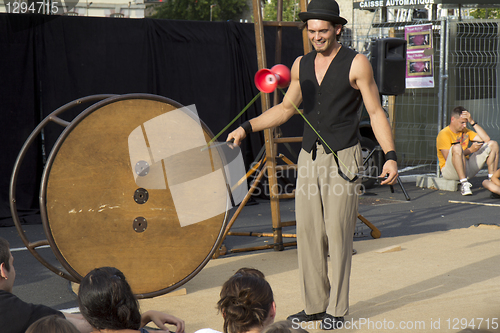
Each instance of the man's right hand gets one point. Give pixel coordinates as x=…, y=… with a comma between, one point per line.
x=475, y=147
x=238, y=135
x=390, y=170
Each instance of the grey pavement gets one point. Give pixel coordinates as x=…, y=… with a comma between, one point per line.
x=428, y=211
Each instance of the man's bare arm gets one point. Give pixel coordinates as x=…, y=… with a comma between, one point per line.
x=481, y=133
x=361, y=77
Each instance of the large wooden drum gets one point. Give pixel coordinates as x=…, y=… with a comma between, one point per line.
x=127, y=185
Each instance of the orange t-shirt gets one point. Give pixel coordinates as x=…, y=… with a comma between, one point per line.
x=446, y=138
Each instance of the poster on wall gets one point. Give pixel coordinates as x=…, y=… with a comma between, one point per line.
x=419, y=56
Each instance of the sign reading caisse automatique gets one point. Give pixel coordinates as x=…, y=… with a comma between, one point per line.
x=373, y=4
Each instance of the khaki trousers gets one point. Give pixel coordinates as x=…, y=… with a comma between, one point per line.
x=473, y=164
x=326, y=213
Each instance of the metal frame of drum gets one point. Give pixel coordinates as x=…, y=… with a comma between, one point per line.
x=53, y=117
x=103, y=100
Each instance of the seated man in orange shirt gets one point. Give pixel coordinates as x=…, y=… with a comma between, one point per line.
x=458, y=160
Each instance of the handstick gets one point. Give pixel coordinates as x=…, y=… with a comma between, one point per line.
x=280, y=77
x=218, y=144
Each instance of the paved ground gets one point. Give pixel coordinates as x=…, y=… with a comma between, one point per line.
x=427, y=211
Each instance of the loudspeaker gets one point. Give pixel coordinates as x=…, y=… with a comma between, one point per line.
x=388, y=59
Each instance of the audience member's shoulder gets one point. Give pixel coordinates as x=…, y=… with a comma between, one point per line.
x=8, y=299
x=207, y=330
x=6, y=294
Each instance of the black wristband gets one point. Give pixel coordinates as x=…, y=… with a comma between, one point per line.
x=247, y=127
x=391, y=155
x=475, y=123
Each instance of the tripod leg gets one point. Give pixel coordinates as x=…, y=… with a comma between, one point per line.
x=238, y=211
x=375, y=233
x=403, y=189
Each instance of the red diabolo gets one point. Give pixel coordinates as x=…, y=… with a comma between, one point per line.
x=282, y=74
x=268, y=80
x=265, y=80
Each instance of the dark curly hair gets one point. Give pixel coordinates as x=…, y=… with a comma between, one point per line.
x=106, y=300
x=245, y=302
x=250, y=271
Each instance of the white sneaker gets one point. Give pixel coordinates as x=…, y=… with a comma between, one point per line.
x=466, y=188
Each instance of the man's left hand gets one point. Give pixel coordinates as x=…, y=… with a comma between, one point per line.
x=390, y=170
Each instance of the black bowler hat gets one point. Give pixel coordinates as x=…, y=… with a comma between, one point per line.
x=326, y=10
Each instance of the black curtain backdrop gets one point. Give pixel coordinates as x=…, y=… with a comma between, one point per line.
x=48, y=61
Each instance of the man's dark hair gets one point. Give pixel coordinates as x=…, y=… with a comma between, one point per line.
x=457, y=112
x=5, y=253
x=107, y=302
x=340, y=33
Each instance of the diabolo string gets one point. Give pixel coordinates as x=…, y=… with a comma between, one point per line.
x=319, y=136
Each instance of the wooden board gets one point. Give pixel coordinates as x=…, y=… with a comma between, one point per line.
x=93, y=215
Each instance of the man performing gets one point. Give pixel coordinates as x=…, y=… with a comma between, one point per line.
x=331, y=81
x=457, y=160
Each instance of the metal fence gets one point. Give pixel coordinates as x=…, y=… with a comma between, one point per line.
x=466, y=64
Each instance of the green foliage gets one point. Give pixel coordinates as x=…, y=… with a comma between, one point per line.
x=199, y=10
x=230, y=9
x=485, y=13
x=291, y=10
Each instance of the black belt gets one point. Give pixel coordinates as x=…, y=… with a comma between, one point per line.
x=317, y=142
x=340, y=172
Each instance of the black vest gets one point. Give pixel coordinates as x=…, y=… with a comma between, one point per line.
x=332, y=108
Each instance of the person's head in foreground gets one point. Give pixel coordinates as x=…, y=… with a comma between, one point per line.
x=106, y=300
x=246, y=304
x=52, y=324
